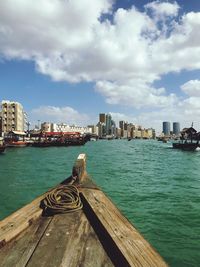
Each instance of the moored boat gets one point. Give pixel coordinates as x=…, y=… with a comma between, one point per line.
x=59, y=139
x=16, y=144
x=185, y=146
x=15, y=139
x=189, y=140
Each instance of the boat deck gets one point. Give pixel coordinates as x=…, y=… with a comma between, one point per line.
x=61, y=240
x=98, y=235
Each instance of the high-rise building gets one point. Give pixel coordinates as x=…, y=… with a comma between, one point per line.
x=176, y=128
x=166, y=128
x=108, y=124
x=12, y=116
x=113, y=128
x=102, y=117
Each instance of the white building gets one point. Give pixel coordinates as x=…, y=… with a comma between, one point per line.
x=62, y=127
x=94, y=129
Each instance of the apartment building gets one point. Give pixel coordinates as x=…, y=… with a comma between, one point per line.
x=13, y=118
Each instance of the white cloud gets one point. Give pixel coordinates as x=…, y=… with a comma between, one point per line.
x=192, y=88
x=163, y=9
x=71, y=41
x=59, y=114
x=135, y=94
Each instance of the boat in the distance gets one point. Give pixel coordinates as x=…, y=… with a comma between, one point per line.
x=15, y=139
x=189, y=140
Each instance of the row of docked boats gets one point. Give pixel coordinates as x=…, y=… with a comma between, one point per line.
x=55, y=139
x=42, y=143
x=66, y=142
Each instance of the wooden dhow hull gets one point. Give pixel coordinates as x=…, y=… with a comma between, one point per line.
x=185, y=146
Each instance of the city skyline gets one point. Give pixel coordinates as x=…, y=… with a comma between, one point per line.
x=102, y=118
x=13, y=120
x=136, y=60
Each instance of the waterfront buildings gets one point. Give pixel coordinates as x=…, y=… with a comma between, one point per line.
x=106, y=126
x=129, y=130
x=166, y=128
x=12, y=116
x=139, y=132
x=62, y=127
x=105, y=129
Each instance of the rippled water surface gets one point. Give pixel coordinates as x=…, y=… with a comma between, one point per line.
x=156, y=188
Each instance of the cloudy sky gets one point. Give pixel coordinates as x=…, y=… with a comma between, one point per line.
x=69, y=60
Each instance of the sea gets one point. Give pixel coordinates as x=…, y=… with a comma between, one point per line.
x=156, y=187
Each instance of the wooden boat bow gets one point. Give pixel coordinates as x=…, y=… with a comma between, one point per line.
x=97, y=235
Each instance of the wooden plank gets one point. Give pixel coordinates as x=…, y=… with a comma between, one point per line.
x=18, y=251
x=134, y=248
x=19, y=221
x=69, y=241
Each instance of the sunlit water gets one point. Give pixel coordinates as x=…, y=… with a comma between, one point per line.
x=157, y=188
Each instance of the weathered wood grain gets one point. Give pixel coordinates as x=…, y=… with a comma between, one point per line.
x=20, y=220
x=136, y=250
x=70, y=241
x=17, y=252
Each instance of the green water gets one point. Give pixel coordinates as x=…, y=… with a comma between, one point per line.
x=157, y=188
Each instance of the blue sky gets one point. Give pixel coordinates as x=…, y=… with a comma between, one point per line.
x=68, y=61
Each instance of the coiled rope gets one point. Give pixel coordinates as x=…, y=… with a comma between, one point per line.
x=62, y=199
